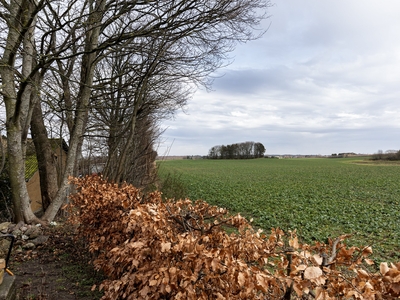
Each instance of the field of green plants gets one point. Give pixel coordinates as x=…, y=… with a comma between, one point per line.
x=319, y=197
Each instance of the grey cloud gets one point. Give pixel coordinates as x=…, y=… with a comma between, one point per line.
x=323, y=79
x=253, y=81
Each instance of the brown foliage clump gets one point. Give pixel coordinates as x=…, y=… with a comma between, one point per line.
x=150, y=249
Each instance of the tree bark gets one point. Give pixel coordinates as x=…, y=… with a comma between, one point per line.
x=47, y=162
x=17, y=104
x=87, y=73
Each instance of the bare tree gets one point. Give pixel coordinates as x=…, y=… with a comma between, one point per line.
x=66, y=40
x=259, y=150
x=137, y=86
x=21, y=19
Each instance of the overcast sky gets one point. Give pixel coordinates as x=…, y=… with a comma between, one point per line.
x=325, y=78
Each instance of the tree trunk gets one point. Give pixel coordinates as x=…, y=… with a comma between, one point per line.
x=87, y=73
x=47, y=162
x=17, y=104
x=21, y=201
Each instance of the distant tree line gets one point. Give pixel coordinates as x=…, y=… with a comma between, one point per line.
x=237, y=151
x=388, y=155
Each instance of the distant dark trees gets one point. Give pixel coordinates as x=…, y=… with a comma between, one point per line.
x=237, y=151
x=388, y=155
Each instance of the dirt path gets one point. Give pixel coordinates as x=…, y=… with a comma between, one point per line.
x=57, y=270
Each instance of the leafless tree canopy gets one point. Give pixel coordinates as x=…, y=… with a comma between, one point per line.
x=101, y=74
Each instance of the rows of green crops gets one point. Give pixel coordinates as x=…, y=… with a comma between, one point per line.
x=320, y=198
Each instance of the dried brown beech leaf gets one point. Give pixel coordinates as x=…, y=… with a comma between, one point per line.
x=384, y=268
x=165, y=247
x=312, y=272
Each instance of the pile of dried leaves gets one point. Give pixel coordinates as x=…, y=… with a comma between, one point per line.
x=154, y=249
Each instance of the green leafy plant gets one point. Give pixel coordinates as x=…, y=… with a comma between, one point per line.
x=173, y=187
x=321, y=198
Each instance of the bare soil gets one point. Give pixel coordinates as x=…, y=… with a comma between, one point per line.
x=58, y=269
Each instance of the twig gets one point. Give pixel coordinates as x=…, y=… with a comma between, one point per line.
x=175, y=218
x=334, y=246
x=289, y=252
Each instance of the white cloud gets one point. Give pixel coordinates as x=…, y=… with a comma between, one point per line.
x=323, y=79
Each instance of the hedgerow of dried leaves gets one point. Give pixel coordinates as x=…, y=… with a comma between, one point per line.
x=150, y=249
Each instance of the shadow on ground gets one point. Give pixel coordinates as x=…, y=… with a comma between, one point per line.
x=56, y=270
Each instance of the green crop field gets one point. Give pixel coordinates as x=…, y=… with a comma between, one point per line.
x=319, y=197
